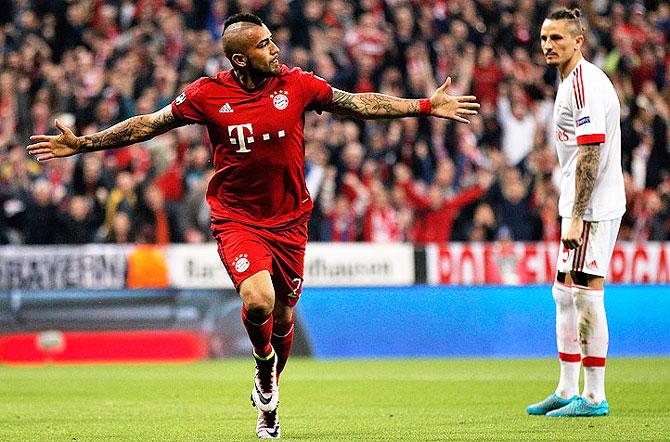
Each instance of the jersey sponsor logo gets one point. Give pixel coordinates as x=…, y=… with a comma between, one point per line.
x=180, y=99
x=241, y=263
x=241, y=139
x=583, y=120
x=280, y=99
x=560, y=135
x=242, y=135
x=226, y=109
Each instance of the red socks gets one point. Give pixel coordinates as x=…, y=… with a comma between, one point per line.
x=282, y=340
x=259, y=329
x=265, y=334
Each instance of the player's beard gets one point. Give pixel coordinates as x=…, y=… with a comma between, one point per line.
x=275, y=68
x=553, y=61
x=265, y=70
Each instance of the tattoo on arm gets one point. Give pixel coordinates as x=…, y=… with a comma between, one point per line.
x=585, y=178
x=133, y=130
x=371, y=105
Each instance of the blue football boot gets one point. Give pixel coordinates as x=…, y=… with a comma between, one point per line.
x=551, y=403
x=580, y=408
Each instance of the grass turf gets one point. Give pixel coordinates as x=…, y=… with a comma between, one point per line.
x=350, y=400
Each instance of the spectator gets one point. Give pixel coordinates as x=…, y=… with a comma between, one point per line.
x=653, y=218
x=342, y=213
x=195, y=218
x=513, y=197
x=40, y=224
x=518, y=125
x=155, y=223
x=121, y=231
x=122, y=198
x=80, y=222
x=435, y=214
x=484, y=224
x=381, y=222
x=486, y=77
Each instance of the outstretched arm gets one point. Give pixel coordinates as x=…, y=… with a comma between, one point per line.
x=585, y=180
x=378, y=106
x=131, y=131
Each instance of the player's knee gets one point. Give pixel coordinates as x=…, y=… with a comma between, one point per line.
x=259, y=302
x=258, y=307
x=258, y=294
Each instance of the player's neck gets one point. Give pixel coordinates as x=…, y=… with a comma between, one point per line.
x=565, y=69
x=248, y=81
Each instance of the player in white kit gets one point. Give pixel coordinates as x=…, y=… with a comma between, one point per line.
x=592, y=202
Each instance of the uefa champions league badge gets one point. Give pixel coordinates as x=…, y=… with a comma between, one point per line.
x=241, y=263
x=280, y=99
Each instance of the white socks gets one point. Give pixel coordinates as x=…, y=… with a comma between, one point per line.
x=581, y=336
x=569, y=352
x=594, y=385
x=594, y=340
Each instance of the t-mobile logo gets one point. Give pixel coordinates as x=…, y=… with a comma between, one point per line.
x=243, y=139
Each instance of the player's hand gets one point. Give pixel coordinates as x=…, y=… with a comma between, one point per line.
x=573, y=237
x=47, y=147
x=445, y=106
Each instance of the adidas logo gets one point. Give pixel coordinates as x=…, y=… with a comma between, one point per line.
x=594, y=264
x=225, y=109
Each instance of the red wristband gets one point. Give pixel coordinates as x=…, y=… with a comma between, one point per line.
x=424, y=106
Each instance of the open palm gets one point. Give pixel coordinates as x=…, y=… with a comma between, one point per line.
x=47, y=147
x=445, y=106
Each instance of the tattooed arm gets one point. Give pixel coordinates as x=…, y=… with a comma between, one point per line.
x=130, y=131
x=372, y=105
x=585, y=180
x=378, y=106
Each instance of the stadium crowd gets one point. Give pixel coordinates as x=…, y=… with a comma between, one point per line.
x=94, y=63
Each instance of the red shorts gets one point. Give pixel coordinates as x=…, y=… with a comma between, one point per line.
x=247, y=250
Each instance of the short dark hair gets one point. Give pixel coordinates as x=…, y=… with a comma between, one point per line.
x=565, y=14
x=569, y=14
x=242, y=17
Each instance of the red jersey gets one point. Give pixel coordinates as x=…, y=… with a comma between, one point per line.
x=259, y=144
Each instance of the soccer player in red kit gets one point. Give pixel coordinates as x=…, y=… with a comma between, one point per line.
x=258, y=197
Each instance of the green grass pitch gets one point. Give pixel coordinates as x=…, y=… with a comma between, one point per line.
x=336, y=400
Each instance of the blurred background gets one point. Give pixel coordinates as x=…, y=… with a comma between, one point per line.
x=463, y=204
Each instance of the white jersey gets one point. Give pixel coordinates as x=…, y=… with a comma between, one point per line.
x=587, y=111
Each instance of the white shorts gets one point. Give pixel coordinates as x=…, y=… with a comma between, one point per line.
x=593, y=256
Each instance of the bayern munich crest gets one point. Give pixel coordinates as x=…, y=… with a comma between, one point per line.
x=241, y=263
x=280, y=99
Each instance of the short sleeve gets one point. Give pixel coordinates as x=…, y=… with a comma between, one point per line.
x=588, y=109
x=188, y=106
x=317, y=92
